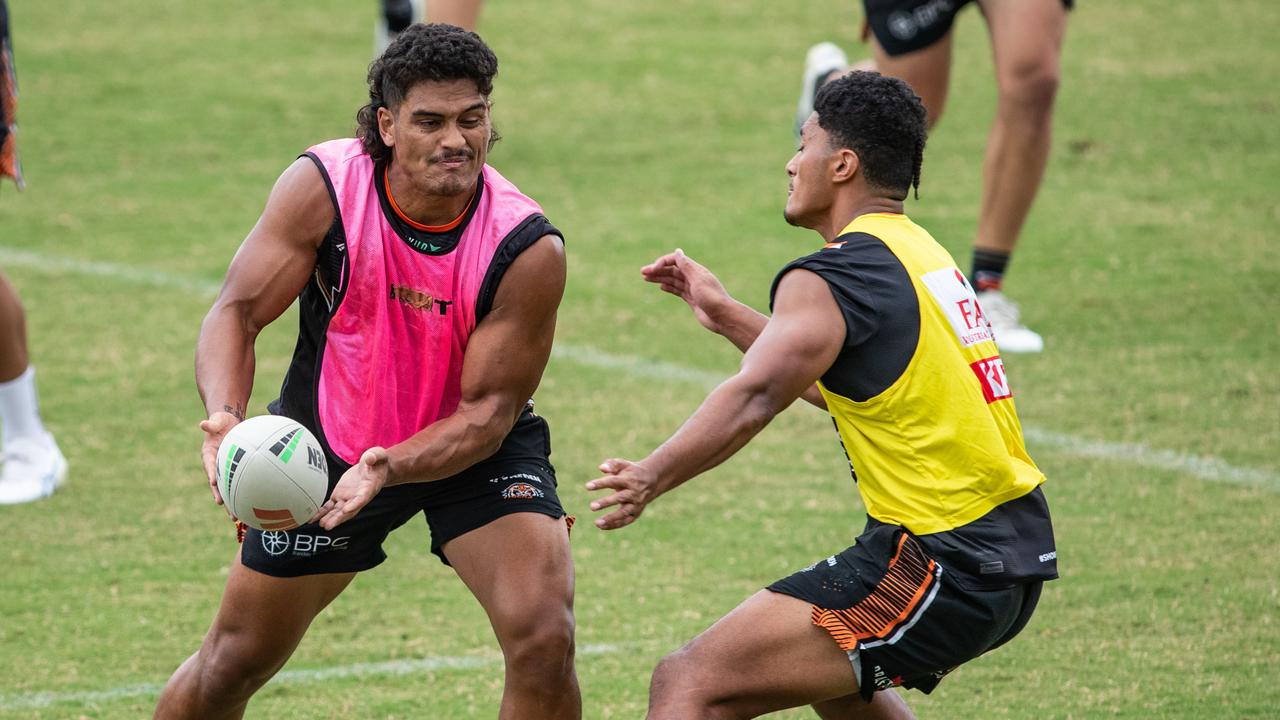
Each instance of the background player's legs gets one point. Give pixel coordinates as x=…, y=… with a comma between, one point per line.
x=13, y=333
x=260, y=623
x=927, y=71
x=394, y=16
x=764, y=656
x=1026, y=41
x=520, y=570
x=463, y=13
x=33, y=465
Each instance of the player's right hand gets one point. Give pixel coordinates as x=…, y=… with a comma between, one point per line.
x=679, y=275
x=215, y=429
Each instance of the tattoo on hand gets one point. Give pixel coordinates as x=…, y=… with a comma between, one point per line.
x=237, y=411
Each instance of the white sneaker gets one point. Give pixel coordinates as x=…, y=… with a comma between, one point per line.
x=821, y=60
x=382, y=35
x=1011, y=335
x=33, y=469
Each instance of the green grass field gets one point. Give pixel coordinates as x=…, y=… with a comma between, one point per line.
x=151, y=133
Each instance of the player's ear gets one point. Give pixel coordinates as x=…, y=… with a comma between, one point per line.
x=844, y=165
x=386, y=122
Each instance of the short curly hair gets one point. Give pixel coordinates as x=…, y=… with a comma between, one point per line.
x=435, y=52
x=882, y=120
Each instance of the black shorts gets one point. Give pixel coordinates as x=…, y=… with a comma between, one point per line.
x=903, y=618
x=903, y=26
x=519, y=478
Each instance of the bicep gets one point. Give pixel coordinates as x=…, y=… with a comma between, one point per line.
x=509, y=348
x=800, y=342
x=278, y=256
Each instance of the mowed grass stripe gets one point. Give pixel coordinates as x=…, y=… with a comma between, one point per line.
x=389, y=668
x=1204, y=467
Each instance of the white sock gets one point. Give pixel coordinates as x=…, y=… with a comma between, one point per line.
x=19, y=412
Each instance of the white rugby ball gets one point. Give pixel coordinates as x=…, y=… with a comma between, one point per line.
x=272, y=473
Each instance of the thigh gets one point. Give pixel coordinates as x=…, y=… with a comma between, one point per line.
x=485, y=493
x=927, y=71
x=262, y=618
x=520, y=569
x=884, y=706
x=1026, y=37
x=764, y=656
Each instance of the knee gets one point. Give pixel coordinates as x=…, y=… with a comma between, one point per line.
x=234, y=666
x=1030, y=86
x=679, y=686
x=540, y=651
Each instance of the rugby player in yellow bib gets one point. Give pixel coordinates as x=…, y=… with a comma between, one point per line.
x=882, y=329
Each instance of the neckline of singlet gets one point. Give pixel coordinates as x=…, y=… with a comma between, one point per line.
x=391, y=200
x=889, y=215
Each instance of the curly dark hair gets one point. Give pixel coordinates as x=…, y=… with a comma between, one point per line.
x=882, y=120
x=435, y=52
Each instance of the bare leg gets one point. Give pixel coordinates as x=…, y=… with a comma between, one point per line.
x=260, y=623
x=13, y=333
x=927, y=71
x=520, y=569
x=1026, y=40
x=884, y=705
x=463, y=13
x=764, y=656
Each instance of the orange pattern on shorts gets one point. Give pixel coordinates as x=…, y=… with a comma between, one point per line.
x=906, y=582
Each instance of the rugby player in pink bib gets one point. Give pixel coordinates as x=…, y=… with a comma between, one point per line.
x=428, y=287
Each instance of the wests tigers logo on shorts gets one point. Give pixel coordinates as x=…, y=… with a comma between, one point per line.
x=521, y=491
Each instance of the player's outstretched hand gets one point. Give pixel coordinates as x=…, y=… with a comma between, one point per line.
x=677, y=274
x=634, y=486
x=355, y=489
x=215, y=429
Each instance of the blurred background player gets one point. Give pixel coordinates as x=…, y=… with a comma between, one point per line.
x=911, y=40
x=33, y=466
x=396, y=15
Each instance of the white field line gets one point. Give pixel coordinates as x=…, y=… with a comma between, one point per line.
x=1204, y=467
x=390, y=668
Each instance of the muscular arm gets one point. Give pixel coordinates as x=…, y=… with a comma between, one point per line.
x=266, y=274
x=268, y=271
x=713, y=306
x=503, y=365
x=797, y=345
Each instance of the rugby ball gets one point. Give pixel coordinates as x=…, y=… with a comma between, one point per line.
x=272, y=473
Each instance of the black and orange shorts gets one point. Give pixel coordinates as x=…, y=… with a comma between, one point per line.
x=902, y=618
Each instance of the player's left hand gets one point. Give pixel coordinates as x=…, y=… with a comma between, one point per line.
x=355, y=489
x=635, y=487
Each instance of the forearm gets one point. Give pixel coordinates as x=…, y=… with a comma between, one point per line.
x=450, y=445
x=741, y=325
x=730, y=416
x=225, y=362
